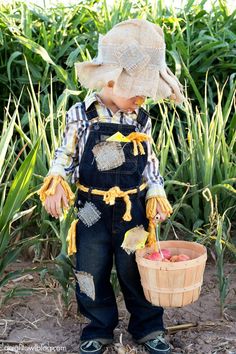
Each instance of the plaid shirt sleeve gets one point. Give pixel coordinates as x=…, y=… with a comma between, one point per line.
x=151, y=172
x=66, y=156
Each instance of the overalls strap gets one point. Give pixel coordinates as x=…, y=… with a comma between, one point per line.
x=142, y=117
x=91, y=112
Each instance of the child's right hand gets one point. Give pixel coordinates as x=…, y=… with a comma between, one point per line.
x=54, y=203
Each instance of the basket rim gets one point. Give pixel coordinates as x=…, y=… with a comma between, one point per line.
x=173, y=265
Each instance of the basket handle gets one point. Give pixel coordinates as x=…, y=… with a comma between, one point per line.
x=157, y=246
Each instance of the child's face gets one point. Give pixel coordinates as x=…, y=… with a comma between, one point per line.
x=128, y=104
x=120, y=103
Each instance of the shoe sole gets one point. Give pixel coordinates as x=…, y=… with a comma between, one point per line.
x=153, y=351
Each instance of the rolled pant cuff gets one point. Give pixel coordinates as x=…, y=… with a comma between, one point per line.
x=149, y=336
x=101, y=340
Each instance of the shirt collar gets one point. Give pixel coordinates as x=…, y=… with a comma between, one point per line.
x=95, y=98
x=90, y=99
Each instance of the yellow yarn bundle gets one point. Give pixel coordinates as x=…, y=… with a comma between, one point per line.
x=110, y=195
x=151, y=211
x=115, y=192
x=71, y=238
x=49, y=188
x=137, y=138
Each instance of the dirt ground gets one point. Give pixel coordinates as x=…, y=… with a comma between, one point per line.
x=40, y=324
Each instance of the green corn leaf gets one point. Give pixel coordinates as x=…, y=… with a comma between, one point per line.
x=10, y=60
x=5, y=140
x=16, y=195
x=226, y=187
x=23, y=213
x=11, y=253
x=36, y=48
x=53, y=227
x=177, y=61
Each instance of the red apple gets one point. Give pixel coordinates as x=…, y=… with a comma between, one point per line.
x=166, y=253
x=155, y=256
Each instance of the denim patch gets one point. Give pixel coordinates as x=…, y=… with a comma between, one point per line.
x=108, y=155
x=86, y=284
x=89, y=214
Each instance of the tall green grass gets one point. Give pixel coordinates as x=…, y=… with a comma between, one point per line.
x=197, y=151
x=218, y=232
x=52, y=40
x=14, y=193
x=23, y=221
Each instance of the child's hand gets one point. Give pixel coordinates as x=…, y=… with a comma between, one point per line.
x=161, y=216
x=54, y=203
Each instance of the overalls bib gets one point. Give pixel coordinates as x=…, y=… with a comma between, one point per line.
x=97, y=244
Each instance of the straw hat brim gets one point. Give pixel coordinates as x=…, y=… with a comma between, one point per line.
x=95, y=76
x=158, y=84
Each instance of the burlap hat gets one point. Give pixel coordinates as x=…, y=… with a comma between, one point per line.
x=132, y=55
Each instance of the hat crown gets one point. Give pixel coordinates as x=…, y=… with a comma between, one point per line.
x=142, y=32
x=132, y=45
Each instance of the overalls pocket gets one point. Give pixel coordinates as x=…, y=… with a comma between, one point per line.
x=130, y=165
x=108, y=155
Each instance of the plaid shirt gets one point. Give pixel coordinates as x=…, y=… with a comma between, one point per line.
x=67, y=157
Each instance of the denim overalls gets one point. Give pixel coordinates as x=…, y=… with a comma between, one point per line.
x=97, y=244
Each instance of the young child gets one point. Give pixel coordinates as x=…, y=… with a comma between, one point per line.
x=107, y=152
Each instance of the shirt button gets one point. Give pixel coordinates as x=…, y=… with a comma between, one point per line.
x=96, y=127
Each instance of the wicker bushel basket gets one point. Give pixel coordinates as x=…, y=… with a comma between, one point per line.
x=175, y=284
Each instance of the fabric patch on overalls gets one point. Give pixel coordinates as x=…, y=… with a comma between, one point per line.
x=108, y=155
x=86, y=283
x=89, y=214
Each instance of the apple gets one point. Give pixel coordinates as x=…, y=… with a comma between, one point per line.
x=184, y=257
x=166, y=253
x=155, y=256
x=179, y=258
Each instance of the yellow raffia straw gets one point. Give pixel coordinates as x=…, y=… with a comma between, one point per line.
x=50, y=189
x=110, y=196
x=71, y=238
x=151, y=211
x=137, y=139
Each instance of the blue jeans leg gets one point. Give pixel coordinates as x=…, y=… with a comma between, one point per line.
x=94, y=256
x=145, y=318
